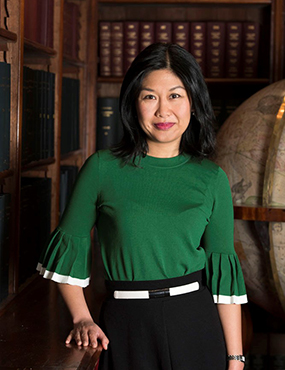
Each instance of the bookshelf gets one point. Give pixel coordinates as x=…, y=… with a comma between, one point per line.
x=21, y=53
x=267, y=13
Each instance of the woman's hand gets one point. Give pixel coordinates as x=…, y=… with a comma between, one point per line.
x=87, y=333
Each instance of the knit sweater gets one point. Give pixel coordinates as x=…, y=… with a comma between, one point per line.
x=164, y=218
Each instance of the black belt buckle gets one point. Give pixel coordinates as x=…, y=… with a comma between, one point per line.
x=159, y=293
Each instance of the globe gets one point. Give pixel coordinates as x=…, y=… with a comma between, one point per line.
x=251, y=150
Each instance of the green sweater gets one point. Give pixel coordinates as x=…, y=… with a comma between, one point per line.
x=166, y=218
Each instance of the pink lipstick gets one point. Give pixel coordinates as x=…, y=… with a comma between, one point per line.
x=164, y=125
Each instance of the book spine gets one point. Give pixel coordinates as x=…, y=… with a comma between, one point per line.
x=215, y=49
x=42, y=124
x=250, y=49
x=32, y=123
x=198, y=37
x=42, y=22
x=117, y=39
x=24, y=115
x=64, y=112
x=75, y=31
x=8, y=114
x=31, y=20
x=2, y=115
x=181, y=34
x=76, y=92
x=233, y=49
x=67, y=28
x=5, y=116
x=107, y=122
x=163, y=32
x=52, y=103
x=131, y=43
x=47, y=122
x=105, y=48
x=70, y=115
x=50, y=24
x=37, y=112
x=146, y=34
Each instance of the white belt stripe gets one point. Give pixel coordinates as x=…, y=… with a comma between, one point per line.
x=144, y=294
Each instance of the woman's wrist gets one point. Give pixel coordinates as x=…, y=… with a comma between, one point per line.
x=236, y=362
x=82, y=318
x=240, y=358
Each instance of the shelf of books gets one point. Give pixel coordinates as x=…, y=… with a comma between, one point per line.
x=224, y=36
x=44, y=119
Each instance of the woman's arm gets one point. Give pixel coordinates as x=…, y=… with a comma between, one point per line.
x=230, y=315
x=85, y=331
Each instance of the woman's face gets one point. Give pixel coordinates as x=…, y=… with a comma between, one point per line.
x=163, y=110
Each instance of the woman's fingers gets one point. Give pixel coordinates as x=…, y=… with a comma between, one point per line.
x=85, y=334
x=105, y=342
x=103, y=339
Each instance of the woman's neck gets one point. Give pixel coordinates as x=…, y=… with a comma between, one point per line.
x=162, y=151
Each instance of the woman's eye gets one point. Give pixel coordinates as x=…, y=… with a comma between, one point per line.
x=174, y=96
x=149, y=97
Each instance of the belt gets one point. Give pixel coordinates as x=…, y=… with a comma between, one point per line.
x=156, y=293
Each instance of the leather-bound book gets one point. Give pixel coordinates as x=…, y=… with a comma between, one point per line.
x=108, y=123
x=75, y=30
x=233, y=49
x=198, y=37
x=105, y=48
x=131, y=43
x=117, y=47
x=180, y=34
x=31, y=25
x=5, y=87
x=215, y=49
x=250, y=49
x=163, y=32
x=50, y=24
x=146, y=34
x=42, y=17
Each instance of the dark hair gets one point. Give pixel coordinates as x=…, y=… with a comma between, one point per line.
x=199, y=138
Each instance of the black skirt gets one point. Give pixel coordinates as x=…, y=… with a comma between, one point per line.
x=172, y=333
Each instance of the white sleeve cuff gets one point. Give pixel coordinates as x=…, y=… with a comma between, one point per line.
x=234, y=299
x=58, y=278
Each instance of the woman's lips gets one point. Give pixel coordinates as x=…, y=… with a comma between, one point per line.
x=164, y=125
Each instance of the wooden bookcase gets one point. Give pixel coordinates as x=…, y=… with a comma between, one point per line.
x=18, y=51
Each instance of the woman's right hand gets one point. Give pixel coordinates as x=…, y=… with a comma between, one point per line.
x=87, y=333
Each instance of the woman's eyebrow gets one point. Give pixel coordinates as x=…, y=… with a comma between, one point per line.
x=177, y=87
x=173, y=88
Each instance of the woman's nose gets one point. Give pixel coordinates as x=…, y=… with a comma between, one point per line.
x=163, y=109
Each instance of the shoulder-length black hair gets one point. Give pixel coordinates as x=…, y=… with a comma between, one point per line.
x=199, y=138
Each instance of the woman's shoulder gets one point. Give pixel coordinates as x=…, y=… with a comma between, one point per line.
x=207, y=165
x=101, y=156
x=210, y=171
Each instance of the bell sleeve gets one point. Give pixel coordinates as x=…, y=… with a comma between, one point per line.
x=67, y=256
x=223, y=271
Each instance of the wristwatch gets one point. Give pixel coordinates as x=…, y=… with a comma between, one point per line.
x=236, y=357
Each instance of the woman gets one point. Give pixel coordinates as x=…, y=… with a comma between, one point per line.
x=165, y=224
